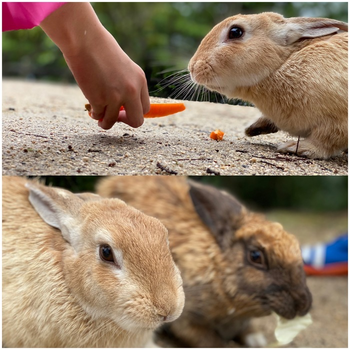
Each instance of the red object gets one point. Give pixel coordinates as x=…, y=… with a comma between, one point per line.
x=335, y=269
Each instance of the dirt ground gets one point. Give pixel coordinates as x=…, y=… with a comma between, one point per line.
x=47, y=132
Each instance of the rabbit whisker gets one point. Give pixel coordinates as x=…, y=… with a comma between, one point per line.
x=196, y=91
x=175, y=80
x=192, y=91
x=178, y=87
x=177, y=75
x=178, y=81
x=184, y=89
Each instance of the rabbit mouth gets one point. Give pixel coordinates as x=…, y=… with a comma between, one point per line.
x=206, y=83
x=288, y=314
x=292, y=308
x=289, y=302
x=202, y=73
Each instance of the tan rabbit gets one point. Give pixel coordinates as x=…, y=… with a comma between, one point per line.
x=294, y=70
x=235, y=264
x=82, y=271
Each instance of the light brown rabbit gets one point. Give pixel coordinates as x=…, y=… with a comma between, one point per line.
x=235, y=264
x=82, y=271
x=294, y=70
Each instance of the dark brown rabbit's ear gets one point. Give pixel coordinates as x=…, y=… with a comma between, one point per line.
x=218, y=210
x=297, y=28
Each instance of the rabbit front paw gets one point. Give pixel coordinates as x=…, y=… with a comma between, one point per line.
x=260, y=127
x=255, y=340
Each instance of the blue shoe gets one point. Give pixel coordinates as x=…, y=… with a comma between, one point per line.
x=326, y=259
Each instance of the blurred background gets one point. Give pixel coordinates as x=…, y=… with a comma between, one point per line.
x=314, y=208
x=263, y=193
x=161, y=37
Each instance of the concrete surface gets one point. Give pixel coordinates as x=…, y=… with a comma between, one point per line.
x=47, y=132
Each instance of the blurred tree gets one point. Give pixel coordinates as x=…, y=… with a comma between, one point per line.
x=308, y=193
x=159, y=36
x=74, y=184
x=304, y=193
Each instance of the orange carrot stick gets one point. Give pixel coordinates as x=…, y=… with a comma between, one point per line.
x=157, y=109
x=163, y=109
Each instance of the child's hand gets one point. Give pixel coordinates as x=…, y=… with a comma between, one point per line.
x=108, y=78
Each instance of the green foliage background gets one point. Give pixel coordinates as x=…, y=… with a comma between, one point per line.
x=159, y=36
x=300, y=193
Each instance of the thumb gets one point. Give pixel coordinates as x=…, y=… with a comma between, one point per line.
x=97, y=112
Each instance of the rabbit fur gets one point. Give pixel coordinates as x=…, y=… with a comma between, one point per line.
x=213, y=239
x=57, y=289
x=294, y=70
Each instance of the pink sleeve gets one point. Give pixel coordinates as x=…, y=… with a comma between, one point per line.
x=26, y=15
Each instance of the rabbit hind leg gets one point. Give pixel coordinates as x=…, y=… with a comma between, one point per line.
x=316, y=147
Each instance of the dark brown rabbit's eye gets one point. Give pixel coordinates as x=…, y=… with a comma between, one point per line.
x=235, y=33
x=106, y=253
x=256, y=257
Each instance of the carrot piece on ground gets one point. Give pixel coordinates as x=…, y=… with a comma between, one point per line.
x=217, y=135
x=157, y=109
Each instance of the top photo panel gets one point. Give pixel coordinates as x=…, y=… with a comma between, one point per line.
x=175, y=88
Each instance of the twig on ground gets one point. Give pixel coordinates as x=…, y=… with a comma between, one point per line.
x=192, y=159
x=276, y=166
x=167, y=170
x=23, y=133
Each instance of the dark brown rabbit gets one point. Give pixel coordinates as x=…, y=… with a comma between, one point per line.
x=235, y=264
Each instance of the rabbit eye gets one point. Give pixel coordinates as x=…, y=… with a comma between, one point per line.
x=106, y=253
x=256, y=257
x=235, y=33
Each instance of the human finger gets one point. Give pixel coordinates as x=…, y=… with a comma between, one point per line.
x=110, y=117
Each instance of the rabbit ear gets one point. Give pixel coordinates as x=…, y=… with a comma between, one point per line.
x=88, y=197
x=59, y=208
x=304, y=27
x=218, y=210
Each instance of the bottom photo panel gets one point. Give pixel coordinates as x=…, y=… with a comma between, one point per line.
x=171, y=261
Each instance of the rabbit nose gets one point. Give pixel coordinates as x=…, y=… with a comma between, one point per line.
x=163, y=318
x=164, y=312
x=303, y=302
x=167, y=318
